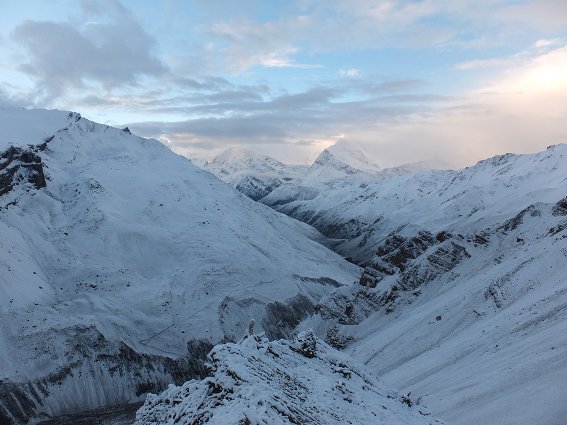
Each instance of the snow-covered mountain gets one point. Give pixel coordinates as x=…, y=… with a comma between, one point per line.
x=353, y=156
x=122, y=263
x=463, y=296
x=360, y=214
x=257, y=176
x=253, y=174
x=301, y=382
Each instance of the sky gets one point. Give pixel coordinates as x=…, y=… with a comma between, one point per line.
x=404, y=81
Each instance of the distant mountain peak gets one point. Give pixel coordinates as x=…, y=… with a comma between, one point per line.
x=352, y=155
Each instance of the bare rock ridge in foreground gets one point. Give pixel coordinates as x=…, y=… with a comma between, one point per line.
x=303, y=381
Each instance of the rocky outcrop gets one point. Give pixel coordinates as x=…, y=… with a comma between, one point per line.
x=21, y=165
x=278, y=319
x=407, y=264
x=394, y=255
x=443, y=259
x=560, y=208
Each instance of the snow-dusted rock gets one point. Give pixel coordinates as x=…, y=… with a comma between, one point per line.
x=301, y=382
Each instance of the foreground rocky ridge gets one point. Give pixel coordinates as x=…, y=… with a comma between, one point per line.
x=281, y=382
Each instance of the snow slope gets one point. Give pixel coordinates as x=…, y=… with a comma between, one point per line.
x=253, y=174
x=347, y=153
x=463, y=296
x=474, y=323
x=360, y=214
x=260, y=382
x=258, y=175
x=121, y=263
x=265, y=179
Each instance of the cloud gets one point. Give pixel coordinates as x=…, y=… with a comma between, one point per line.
x=306, y=121
x=350, y=72
x=522, y=109
x=485, y=63
x=547, y=43
x=110, y=52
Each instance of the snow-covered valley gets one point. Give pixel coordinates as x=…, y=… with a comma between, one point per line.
x=123, y=264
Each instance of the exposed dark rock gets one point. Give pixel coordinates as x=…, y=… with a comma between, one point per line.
x=376, y=270
x=336, y=339
x=257, y=188
x=514, y=222
x=558, y=229
x=349, y=307
x=399, y=251
x=305, y=344
x=442, y=260
x=411, y=261
x=443, y=235
x=282, y=318
x=18, y=165
x=482, y=238
x=560, y=208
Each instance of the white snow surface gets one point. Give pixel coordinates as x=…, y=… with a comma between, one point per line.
x=258, y=175
x=133, y=240
x=14, y=132
x=259, y=382
x=352, y=155
x=360, y=213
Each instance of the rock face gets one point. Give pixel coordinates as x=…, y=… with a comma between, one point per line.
x=281, y=382
x=19, y=165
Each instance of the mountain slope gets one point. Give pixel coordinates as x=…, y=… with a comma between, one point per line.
x=354, y=157
x=253, y=174
x=260, y=382
x=126, y=263
x=258, y=175
x=474, y=323
x=463, y=296
x=361, y=214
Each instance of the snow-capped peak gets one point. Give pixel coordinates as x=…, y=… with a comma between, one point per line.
x=237, y=161
x=348, y=153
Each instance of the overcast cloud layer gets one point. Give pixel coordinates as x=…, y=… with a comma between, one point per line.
x=405, y=80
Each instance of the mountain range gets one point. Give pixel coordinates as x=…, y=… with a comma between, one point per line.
x=123, y=265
